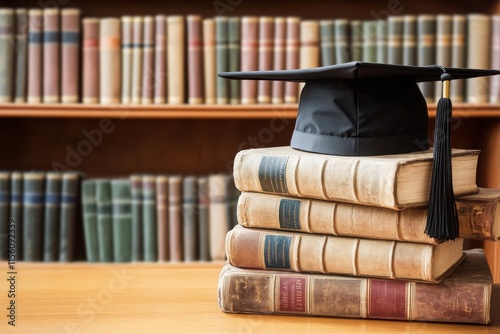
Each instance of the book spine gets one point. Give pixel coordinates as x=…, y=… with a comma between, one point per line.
x=495, y=58
x=479, y=215
x=190, y=218
x=7, y=47
x=109, y=61
x=89, y=210
x=121, y=220
x=160, y=72
x=127, y=47
x=137, y=223
x=356, y=40
x=444, y=30
x=222, y=58
x=33, y=202
x=265, y=57
x=70, y=55
x=90, y=62
x=478, y=56
x=370, y=41
x=309, y=47
x=51, y=55
x=148, y=79
x=209, y=61
x=175, y=218
x=279, y=58
x=203, y=219
x=458, y=54
x=381, y=41
x=218, y=220
x=410, y=40
x=395, y=39
x=149, y=218
x=292, y=57
x=249, y=57
x=342, y=53
x=426, y=46
x=299, y=252
x=253, y=291
x=137, y=59
x=35, y=39
x=234, y=40
x=195, y=59
x=175, y=59
x=162, y=216
x=233, y=195
x=16, y=210
x=4, y=214
x=70, y=188
x=52, y=218
x=104, y=220
x=327, y=45
x=21, y=55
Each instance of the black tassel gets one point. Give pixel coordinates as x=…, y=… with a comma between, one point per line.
x=442, y=219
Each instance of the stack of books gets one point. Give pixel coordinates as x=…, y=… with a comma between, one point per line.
x=337, y=236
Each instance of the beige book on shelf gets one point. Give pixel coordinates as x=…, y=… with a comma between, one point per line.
x=127, y=37
x=279, y=58
x=478, y=56
x=175, y=59
x=137, y=57
x=160, y=75
x=218, y=214
x=209, y=73
x=109, y=61
x=90, y=60
x=301, y=252
x=395, y=181
x=309, y=46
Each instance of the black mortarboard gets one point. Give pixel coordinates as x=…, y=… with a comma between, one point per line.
x=361, y=108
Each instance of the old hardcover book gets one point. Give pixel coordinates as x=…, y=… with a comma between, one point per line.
x=222, y=57
x=175, y=59
x=266, y=50
x=148, y=49
x=51, y=55
x=137, y=59
x=90, y=61
x=149, y=218
x=160, y=72
x=234, y=39
x=426, y=50
x=249, y=57
x=35, y=39
x=89, y=211
x=7, y=54
x=70, y=188
x=463, y=297
x=70, y=55
x=217, y=192
x=444, y=30
x=356, y=39
x=495, y=58
x=309, y=44
x=342, y=49
x=121, y=220
x=16, y=209
x=478, y=215
x=327, y=43
x=381, y=41
x=209, y=61
x=395, y=40
x=190, y=218
x=52, y=219
x=292, y=56
x=137, y=220
x=175, y=218
x=478, y=56
x=162, y=217
x=370, y=41
x=394, y=181
x=195, y=59
x=203, y=219
x=33, y=202
x=109, y=61
x=104, y=220
x=21, y=50
x=458, y=54
x=127, y=47
x=279, y=58
x=301, y=252
x=4, y=214
x=410, y=40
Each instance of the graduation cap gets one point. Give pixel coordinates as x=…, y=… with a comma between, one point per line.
x=362, y=108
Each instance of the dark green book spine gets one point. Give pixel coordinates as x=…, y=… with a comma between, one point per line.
x=21, y=55
x=51, y=221
x=444, y=30
x=137, y=225
x=190, y=218
x=89, y=211
x=122, y=220
x=33, y=202
x=175, y=218
x=381, y=41
x=203, y=219
x=149, y=218
x=234, y=40
x=395, y=40
x=342, y=41
x=409, y=40
x=232, y=198
x=356, y=35
x=326, y=37
x=426, y=25
x=16, y=210
x=7, y=46
x=104, y=222
x=4, y=214
x=70, y=184
x=458, y=56
x=369, y=41
x=222, y=58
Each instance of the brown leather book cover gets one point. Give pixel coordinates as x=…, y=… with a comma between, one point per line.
x=70, y=55
x=195, y=59
x=51, y=55
x=279, y=58
x=175, y=218
x=292, y=56
x=148, y=80
x=249, y=57
x=35, y=39
x=266, y=50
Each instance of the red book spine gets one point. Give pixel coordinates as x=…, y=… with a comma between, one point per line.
x=195, y=60
x=266, y=45
x=279, y=61
x=160, y=60
x=51, y=55
x=70, y=52
x=148, y=60
x=35, y=38
x=90, y=70
x=249, y=57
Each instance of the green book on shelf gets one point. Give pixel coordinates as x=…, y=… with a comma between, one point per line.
x=7, y=47
x=203, y=219
x=51, y=220
x=70, y=183
x=410, y=40
x=222, y=64
x=33, y=188
x=369, y=41
x=356, y=34
x=16, y=209
x=137, y=225
x=104, y=222
x=426, y=49
x=4, y=214
x=342, y=41
x=327, y=45
x=234, y=57
x=21, y=55
x=149, y=218
x=190, y=218
x=395, y=40
x=381, y=41
x=121, y=220
x=89, y=211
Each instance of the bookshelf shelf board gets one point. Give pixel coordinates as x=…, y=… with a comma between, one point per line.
x=203, y=111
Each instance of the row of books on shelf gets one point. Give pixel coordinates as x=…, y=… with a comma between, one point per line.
x=322, y=235
x=44, y=215
x=54, y=55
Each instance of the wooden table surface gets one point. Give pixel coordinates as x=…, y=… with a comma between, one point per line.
x=165, y=298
